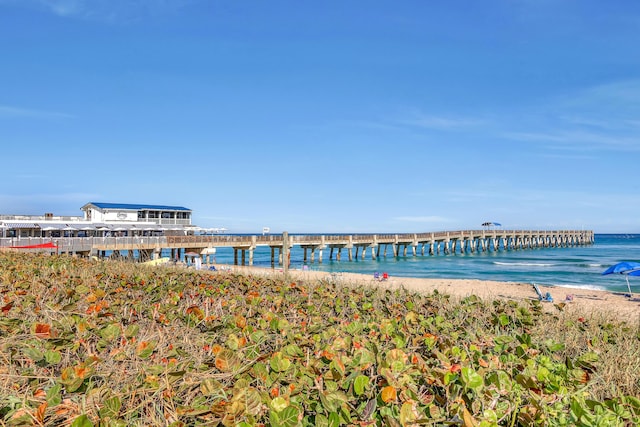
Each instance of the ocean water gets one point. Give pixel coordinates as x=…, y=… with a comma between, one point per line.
x=579, y=266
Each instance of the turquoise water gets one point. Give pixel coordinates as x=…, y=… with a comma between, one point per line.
x=573, y=266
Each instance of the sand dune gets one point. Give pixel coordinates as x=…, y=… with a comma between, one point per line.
x=584, y=301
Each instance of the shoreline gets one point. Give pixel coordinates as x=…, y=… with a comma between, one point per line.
x=583, y=301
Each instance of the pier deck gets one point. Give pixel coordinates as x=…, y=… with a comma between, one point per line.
x=313, y=245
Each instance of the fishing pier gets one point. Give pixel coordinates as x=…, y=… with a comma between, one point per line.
x=314, y=246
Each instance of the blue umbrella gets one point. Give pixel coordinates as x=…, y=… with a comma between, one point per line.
x=628, y=268
x=622, y=267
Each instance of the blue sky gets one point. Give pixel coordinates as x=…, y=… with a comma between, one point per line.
x=333, y=116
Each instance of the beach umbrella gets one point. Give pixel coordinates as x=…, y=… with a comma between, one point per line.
x=622, y=267
x=628, y=268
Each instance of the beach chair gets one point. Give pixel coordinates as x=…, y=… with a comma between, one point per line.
x=385, y=276
x=542, y=297
x=376, y=276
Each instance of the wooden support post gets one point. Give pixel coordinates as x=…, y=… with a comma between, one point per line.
x=350, y=252
x=286, y=255
x=273, y=256
x=373, y=253
x=250, y=256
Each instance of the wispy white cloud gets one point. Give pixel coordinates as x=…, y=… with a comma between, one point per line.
x=583, y=123
x=598, y=118
x=102, y=10
x=423, y=219
x=39, y=203
x=426, y=121
x=65, y=7
x=580, y=140
x=623, y=92
x=7, y=111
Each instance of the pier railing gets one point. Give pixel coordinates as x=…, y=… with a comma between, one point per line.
x=431, y=242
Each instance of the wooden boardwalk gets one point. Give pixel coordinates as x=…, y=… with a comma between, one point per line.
x=314, y=245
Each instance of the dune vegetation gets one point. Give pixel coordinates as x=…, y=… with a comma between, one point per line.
x=105, y=343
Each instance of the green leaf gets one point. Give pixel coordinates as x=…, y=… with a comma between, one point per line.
x=279, y=404
x=131, y=331
x=33, y=354
x=321, y=421
x=286, y=418
x=334, y=419
x=146, y=349
x=54, y=397
x=504, y=320
x=111, y=408
x=110, y=332
x=293, y=350
x=210, y=387
x=82, y=421
x=233, y=342
x=503, y=339
x=359, y=384
x=53, y=357
x=279, y=362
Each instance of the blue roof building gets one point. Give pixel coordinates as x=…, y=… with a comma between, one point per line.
x=160, y=214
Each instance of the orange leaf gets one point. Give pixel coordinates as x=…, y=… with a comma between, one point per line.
x=222, y=363
x=389, y=394
x=196, y=311
x=468, y=419
x=241, y=322
x=43, y=330
x=40, y=412
x=80, y=371
x=7, y=307
x=585, y=377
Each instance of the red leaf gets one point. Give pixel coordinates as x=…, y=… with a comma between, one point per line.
x=43, y=330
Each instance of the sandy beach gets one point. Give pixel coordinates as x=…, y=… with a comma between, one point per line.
x=584, y=302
